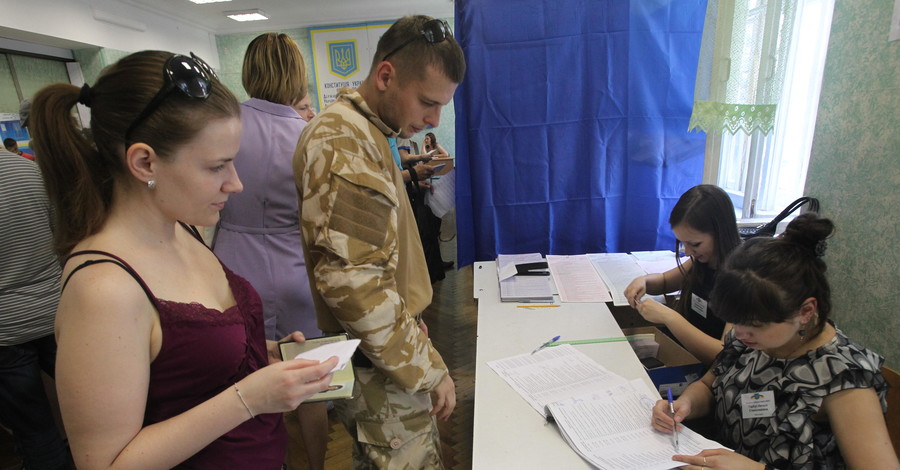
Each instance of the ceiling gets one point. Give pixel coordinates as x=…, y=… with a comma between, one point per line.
x=287, y=14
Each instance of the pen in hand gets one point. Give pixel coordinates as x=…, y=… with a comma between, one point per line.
x=555, y=338
x=674, y=428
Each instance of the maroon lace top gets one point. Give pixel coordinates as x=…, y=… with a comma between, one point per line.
x=205, y=351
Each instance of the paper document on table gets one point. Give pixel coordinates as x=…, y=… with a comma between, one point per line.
x=520, y=288
x=611, y=429
x=577, y=280
x=617, y=270
x=656, y=261
x=553, y=374
x=442, y=197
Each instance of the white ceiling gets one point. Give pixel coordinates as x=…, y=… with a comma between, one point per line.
x=286, y=14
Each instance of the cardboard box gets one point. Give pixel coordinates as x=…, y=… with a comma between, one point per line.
x=681, y=367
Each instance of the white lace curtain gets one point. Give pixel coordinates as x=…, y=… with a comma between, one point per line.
x=743, y=57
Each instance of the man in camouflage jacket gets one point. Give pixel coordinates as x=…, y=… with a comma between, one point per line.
x=367, y=269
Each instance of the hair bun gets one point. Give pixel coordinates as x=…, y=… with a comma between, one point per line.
x=810, y=231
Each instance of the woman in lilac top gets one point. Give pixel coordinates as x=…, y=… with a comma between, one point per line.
x=259, y=232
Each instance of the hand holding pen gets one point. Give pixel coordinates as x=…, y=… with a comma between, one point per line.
x=672, y=410
x=667, y=421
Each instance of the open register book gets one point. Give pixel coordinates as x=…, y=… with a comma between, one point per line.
x=342, y=379
x=601, y=415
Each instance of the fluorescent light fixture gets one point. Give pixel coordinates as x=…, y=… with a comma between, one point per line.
x=201, y=2
x=247, y=15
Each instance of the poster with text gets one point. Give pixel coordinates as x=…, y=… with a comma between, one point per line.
x=342, y=56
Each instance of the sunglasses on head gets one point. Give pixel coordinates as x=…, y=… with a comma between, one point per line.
x=434, y=31
x=190, y=75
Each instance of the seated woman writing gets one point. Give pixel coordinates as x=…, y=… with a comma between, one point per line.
x=818, y=398
x=703, y=221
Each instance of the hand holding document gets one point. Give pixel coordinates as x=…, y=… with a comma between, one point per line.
x=342, y=349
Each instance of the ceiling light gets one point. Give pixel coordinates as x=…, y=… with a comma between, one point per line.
x=247, y=15
x=200, y=2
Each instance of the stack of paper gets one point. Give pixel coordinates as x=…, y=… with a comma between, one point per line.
x=519, y=288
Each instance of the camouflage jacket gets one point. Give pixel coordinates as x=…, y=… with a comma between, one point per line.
x=366, y=265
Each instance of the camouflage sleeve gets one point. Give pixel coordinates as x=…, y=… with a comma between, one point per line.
x=349, y=216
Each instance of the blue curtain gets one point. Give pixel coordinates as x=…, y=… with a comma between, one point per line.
x=571, y=130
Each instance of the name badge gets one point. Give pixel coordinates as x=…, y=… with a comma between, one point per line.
x=699, y=304
x=758, y=404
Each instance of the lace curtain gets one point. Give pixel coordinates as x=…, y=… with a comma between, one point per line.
x=743, y=57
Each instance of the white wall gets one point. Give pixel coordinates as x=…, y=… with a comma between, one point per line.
x=74, y=24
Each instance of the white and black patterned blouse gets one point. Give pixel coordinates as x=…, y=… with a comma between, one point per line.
x=790, y=439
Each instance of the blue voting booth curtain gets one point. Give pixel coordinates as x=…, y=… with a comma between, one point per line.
x=571, y=131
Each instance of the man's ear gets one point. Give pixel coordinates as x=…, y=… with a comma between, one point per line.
x=385, y=72
x=141, y=161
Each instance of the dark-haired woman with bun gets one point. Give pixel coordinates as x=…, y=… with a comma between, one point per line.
x=789, y=390
x=162, y=359
x=704, y=223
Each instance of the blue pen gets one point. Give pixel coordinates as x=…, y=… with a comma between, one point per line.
x=555, y=338
x=672, y=409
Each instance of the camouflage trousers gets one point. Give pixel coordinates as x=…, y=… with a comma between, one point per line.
x=391, y=429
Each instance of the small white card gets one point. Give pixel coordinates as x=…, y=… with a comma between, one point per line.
x=758, y=404
x=699, y=305
x=342, y=349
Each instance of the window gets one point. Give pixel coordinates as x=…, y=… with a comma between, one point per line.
x=763, y=173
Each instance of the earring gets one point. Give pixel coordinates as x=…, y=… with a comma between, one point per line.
x=802, y=332
x=151, y=184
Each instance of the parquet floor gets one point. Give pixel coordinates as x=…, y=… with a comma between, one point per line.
x=451, y=320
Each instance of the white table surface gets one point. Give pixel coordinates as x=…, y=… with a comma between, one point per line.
x=507, y=432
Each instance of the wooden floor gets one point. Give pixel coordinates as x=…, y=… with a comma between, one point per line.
x=451, y=320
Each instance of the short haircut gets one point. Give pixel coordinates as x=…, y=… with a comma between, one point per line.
x=9, y=142
x=274, y=69
x=413, y=58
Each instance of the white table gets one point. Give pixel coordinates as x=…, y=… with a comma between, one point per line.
x=507, y=432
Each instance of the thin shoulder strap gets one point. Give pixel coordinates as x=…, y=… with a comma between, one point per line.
x=193, y=231
x=115, y=260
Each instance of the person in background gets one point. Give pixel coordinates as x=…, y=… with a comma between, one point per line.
x=819, y=398
x=304, y=107
x=13, y=147
x=363, y=252
x=704, y=223
x=162, y=359
x=29, y=294
x=259, y=231
x=431, y=144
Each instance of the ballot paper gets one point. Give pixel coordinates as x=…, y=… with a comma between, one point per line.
x=577, y=280
x=617, y=270
x=553, y=374
x=342, y=349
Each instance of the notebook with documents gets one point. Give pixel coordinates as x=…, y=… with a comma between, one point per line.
x=522, y=279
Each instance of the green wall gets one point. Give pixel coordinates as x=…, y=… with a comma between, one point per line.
x=855, y=173
x=32, y=73
x=231, y=56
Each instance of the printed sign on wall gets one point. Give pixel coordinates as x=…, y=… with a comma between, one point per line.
x=342, y=56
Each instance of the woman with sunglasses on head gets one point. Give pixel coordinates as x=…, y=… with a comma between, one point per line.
x=704, y=223
x=259, y=231
x=789, y=391
x=162, y=360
